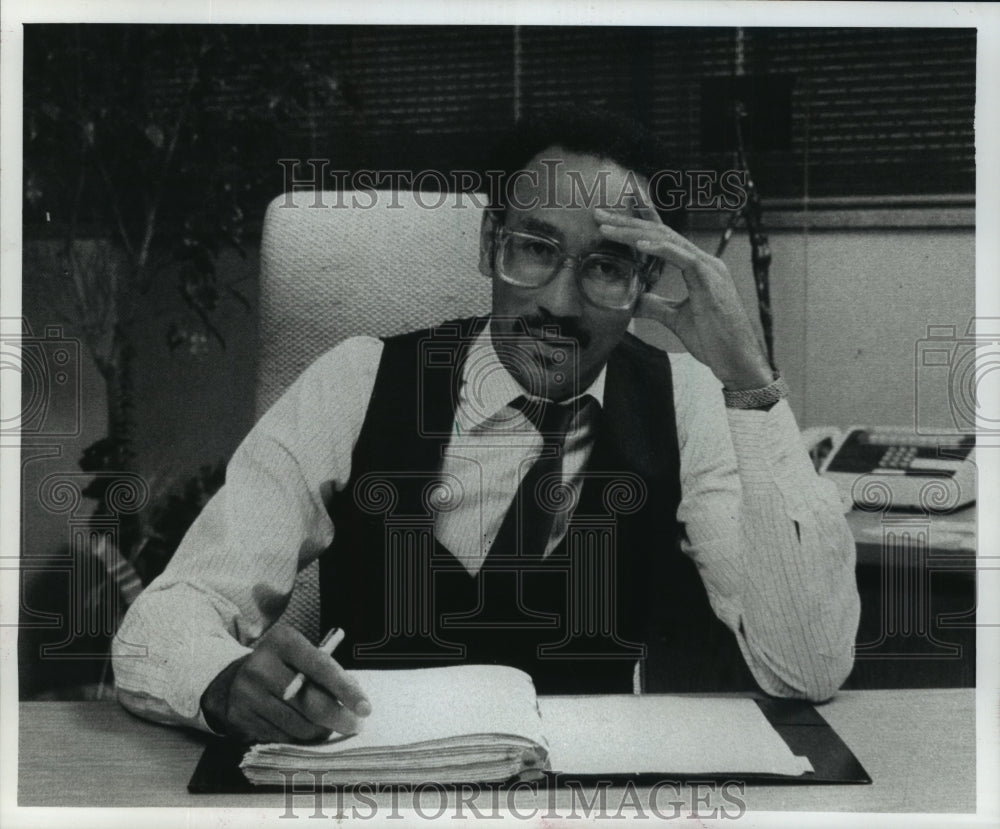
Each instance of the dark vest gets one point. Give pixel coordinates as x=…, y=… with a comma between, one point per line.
x=616, y=589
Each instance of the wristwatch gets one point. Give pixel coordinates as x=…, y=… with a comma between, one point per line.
x=763, y=398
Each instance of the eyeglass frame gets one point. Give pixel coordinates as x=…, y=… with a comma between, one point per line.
x=642, y=272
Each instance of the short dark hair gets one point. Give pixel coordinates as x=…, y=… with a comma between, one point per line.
x=586, y=130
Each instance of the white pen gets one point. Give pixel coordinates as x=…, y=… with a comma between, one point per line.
x=328, y=646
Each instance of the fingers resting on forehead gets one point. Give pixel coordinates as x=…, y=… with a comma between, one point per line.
x=632, y=230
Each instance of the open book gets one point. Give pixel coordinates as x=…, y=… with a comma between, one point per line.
x=484, y=723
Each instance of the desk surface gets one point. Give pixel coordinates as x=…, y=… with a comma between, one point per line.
x=949, y=537
x=917, y=745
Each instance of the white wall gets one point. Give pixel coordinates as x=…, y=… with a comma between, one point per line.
x=850, y=306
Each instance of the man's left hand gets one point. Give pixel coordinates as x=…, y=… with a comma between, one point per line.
x=711, y=321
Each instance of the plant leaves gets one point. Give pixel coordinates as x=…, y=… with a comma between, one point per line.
x=155, y=136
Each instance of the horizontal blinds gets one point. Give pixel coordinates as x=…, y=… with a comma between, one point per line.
x=427, y=97
x=871, y=112
x=582, y=65
x=874, y=111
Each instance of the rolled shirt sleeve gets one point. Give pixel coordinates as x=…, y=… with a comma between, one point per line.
x=231, y=577
x=768, y=536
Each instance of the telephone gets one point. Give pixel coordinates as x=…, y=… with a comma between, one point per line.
x=917, y=471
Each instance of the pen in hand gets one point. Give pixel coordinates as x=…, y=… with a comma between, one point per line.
x=328, y=646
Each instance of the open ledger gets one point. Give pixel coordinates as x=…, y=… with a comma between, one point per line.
x=484, y=723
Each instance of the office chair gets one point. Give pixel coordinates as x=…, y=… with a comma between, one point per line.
x=330, y=270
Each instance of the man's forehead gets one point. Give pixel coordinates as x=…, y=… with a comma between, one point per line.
x=556, y=178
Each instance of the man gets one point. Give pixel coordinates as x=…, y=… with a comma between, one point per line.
x=683, y=521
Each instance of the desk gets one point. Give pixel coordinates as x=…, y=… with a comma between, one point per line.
x=917, y=745
x=917, y=581
x=951, y=537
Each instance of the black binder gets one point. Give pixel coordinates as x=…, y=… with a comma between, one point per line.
x=799, y=724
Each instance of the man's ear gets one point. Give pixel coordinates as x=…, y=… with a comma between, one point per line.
x=487, y=234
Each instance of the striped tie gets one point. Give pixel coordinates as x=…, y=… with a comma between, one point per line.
x=528, y=510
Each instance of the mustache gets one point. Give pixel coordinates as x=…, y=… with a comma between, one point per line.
x=566, y=327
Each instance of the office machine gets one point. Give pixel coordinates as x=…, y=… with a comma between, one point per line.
x=925, y=472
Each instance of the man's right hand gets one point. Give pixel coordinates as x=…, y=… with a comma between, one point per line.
x=245, y=700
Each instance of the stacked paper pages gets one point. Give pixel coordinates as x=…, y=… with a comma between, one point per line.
x=448, y=725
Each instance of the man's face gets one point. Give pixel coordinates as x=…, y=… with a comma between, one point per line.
x=524, y=318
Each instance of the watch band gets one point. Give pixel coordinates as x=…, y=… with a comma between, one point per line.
x=762, y=398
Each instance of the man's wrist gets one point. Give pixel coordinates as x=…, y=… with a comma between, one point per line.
x=215, y=699
x=753, y=373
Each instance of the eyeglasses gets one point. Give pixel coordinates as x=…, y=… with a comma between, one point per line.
x=532, y=261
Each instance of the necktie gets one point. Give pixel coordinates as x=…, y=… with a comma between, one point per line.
x=527, y=511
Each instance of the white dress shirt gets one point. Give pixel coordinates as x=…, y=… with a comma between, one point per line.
x=767, y=534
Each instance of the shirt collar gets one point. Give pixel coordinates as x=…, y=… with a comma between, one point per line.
x=487, y=386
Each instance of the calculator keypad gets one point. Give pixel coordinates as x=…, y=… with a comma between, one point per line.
x=898, y=457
